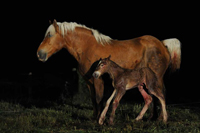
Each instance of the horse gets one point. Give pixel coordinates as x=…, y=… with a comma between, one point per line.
x=125, y=79
x=87, y=46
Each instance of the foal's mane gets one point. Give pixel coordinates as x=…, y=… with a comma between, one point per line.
x=65, y=26
x=115, y=65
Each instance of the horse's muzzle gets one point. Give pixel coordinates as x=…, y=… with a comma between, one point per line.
x=42, y=56
x=96, y=74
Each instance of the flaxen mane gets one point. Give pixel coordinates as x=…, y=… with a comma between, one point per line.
x=65, y=26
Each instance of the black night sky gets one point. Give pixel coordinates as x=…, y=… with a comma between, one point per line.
x=24, y=27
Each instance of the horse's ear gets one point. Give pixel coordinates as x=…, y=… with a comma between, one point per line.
x=50, y=22
x=109, y=57
x=100, y=59
x=55, y=25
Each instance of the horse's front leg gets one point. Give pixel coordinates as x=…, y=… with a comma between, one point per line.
x=120, y=93
x=99, y=90
x=93, y=99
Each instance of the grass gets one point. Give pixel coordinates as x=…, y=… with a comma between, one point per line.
x=77, y=118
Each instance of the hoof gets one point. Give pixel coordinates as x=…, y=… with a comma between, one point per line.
x=138, y=118
x=111, y=122
x=165, y=121
x=101, y=120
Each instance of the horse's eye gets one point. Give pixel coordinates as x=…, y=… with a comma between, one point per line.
x=102, y=65
x=49, y=35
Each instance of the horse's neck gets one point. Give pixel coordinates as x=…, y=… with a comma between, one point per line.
x=78, y=41
x=115, y=71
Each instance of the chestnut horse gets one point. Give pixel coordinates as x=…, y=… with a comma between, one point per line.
x=125, y=79
x=88, y=45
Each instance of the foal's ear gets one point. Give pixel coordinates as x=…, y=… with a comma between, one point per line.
x=109, y=57
x=50, y=22
x=55, y=25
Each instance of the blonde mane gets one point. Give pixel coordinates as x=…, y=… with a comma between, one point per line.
x=65, y=26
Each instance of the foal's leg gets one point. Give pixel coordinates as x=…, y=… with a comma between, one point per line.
x=103, y=114
x=118, y=97
x=147, y=99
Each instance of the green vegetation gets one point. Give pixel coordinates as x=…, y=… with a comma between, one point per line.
x=75, y=115
x=77, y=118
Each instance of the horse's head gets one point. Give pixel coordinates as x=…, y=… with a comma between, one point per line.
x=52, y=42
x=102, y=67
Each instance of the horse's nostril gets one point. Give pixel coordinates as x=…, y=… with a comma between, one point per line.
x=42, y=55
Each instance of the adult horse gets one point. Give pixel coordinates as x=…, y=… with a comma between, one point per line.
x=88, y=45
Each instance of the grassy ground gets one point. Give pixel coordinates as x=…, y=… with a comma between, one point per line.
x=76, y=117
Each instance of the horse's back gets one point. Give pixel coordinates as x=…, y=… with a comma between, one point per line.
x=138, y=41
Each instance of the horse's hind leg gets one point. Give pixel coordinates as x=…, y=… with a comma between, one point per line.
x=161, y=98
x=147, y=99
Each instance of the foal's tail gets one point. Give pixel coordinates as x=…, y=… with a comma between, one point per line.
x=174, y=47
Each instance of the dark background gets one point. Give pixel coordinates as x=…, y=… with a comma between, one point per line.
x=23, y=26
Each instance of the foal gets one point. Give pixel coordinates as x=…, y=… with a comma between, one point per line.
x=125, y=79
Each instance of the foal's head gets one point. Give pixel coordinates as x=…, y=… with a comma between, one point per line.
x=102, y=67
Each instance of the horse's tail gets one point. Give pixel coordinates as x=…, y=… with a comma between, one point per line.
x=174, y=47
